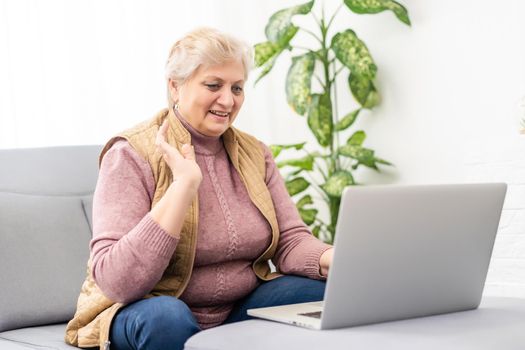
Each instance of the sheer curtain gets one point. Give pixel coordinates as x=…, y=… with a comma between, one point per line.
x=77, y=71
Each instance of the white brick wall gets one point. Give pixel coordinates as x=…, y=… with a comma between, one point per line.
x=453, y=91
x=506, y=275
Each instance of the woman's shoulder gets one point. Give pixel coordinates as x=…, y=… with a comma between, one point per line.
x=122, y=150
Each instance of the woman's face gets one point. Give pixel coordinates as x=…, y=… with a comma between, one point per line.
x=211, y=98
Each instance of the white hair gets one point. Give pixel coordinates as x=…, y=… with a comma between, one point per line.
x=204, y=47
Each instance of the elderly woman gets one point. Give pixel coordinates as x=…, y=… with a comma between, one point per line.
x=187, y=213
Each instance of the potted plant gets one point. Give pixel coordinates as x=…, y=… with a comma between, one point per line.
x=331, y=167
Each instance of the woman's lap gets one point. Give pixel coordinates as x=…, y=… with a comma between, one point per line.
x=167, y=322
x=156, y=323
x=280, y=291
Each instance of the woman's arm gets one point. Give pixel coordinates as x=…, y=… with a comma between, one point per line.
x=298, y=251
x=169, y=212
x=132, y=246
x=129, y=249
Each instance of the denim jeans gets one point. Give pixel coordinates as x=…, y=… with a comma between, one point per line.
x=166, y=322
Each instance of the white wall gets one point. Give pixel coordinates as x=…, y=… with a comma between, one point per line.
x=452, y=88
x=77, y=71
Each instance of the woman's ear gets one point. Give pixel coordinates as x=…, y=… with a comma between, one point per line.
x=174, y=90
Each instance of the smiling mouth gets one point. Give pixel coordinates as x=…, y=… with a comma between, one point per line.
x=219, y=113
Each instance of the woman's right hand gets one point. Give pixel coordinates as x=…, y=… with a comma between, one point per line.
x=182, y=164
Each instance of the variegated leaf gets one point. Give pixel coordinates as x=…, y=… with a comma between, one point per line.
x=353, y=53
x=337, y=182
x=363, y=90
x=298, y=82
x=266, y=53
x=320, y=118
x=376, y=6
x=316, y=230
x=357, y=138
x=382, y=161
x=363, y=156
x=355, y=152
x=279, y=23
x=276, y=149
x=297, y=185
x=305, y=163
x=308, y=215
x=304, y=201
x=347, y=120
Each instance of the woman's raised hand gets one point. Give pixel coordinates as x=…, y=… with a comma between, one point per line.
x=182, y=164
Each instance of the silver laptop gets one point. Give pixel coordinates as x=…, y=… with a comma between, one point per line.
x=403, y=252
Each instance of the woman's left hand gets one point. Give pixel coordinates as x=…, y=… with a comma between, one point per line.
x=325, y=261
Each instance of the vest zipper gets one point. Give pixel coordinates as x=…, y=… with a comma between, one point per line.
x=106, y=345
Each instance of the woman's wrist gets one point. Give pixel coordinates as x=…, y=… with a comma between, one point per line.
x=189, y=183
x=325, y=261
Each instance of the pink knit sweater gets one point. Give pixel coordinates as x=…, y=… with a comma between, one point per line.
x=130, y=251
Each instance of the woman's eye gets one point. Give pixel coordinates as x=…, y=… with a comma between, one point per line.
x=212, y=86
x=237, y=89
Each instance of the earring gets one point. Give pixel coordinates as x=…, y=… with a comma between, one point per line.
x=177, y=106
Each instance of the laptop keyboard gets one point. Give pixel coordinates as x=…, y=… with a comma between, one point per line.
x=315, y=314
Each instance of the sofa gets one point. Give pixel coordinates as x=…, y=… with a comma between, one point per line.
x=45, y=228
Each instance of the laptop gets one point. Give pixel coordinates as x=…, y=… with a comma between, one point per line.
x=403, y=252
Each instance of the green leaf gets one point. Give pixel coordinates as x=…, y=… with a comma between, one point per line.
x=305, y=163
x=298, y=82
x=353, y=53
x=279, y=23
x=293, y=174
x=320, y=118
x=266, y=53
x=337, y=182
x=364, y=91
x=266, y=69
x=276, y=149
x=316, y=230
x=363, y=156
x=304, y=201
x=382, y=161
x=308, y=215
x=297, y=185
x=347, y=120
x=376, y=6
x=357, y=138
x=356, y=152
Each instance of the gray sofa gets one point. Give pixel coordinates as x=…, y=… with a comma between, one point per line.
x=45, y=228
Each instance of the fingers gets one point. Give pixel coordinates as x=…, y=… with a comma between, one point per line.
x=188, y=151
x=163, y=146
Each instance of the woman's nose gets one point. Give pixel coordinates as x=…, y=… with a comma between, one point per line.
x=226, y=99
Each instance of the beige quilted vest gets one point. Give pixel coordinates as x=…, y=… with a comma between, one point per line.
x=91, y=323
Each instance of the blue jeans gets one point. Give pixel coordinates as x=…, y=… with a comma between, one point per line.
x=167, y=322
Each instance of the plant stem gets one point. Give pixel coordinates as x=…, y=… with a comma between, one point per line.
x=316, y=187
x=336, y=117
x=316, y=19
x=312, y=34
x=333, y=16
x=321, y=171
x=320, y=81
x=337, y=72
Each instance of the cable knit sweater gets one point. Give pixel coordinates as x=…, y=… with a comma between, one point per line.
x=232, y=233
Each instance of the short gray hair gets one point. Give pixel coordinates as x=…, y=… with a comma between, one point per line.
x=205, y=47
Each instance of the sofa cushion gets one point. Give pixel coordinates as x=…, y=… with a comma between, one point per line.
x=70, y=170
x=44, y=247
x=87, y=204
x=45, y=337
